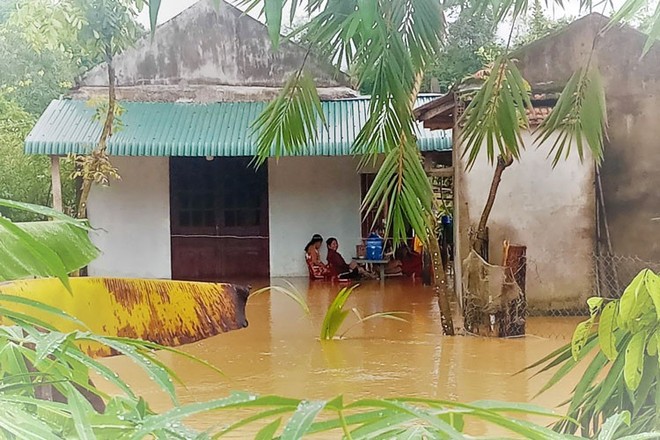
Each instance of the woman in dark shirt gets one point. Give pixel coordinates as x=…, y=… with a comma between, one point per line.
x=343, y=269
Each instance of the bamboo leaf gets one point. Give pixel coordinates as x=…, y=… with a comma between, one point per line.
x=612, y=424
x=291, y=292
x=268, y=431
x=302, y=419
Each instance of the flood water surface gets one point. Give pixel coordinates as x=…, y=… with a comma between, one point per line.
x=280, y=353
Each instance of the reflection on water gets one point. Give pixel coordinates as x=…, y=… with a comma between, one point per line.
x=279, y=353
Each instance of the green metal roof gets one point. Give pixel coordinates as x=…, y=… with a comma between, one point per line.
x=184, y=129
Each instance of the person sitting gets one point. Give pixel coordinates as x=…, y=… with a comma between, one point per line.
x=411, y=261
x=393, y=267
x=318, y=270
x=340, y=267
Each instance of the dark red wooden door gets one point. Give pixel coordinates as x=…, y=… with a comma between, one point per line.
x=219, y=219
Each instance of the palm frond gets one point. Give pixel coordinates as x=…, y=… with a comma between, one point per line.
x=580, y=115
x=497, y=114
x=289, y=122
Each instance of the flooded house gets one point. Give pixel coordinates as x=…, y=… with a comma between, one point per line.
x=588, y=229
x=190, y=204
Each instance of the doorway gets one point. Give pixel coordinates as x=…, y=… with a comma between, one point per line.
x=219, y=219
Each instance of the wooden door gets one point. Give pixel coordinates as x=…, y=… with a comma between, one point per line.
x=219, y=219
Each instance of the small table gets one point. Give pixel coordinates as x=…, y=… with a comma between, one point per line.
x=380, y=263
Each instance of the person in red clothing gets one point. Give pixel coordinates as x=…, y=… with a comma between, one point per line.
x=339, y=266
x=411, y=261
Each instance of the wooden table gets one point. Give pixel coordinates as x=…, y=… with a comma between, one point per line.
x=381, y=264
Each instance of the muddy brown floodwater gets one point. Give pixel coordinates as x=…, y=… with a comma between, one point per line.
x=279, y=353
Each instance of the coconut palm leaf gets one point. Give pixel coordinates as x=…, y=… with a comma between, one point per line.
x=289, y=122
x=496, y=114
x=579, y=116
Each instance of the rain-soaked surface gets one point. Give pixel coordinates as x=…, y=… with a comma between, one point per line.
x=279, y=353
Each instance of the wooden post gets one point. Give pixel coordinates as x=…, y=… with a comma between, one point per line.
x=56, y=179
x=514, y=260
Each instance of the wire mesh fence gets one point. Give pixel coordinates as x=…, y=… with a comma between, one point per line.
x=495, y=302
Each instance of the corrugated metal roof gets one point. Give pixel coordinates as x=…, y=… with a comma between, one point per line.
x=185, y=129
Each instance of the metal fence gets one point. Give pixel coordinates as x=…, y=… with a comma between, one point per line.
x=493, y=303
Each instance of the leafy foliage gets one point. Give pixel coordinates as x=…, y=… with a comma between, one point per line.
x=470, y=41
x=71, y=250
x=21, y=177
x=44, y=248
x=297, y=106
x=384, y=418
x=496, y=113
x=620, y=382
x=336, y=315
x=579, y=116
x=537, y=25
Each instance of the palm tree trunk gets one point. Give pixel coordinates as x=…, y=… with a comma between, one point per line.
x=440, y=286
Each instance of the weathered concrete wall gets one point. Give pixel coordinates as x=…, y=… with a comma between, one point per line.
x=205, y=45
x=132, y=220
x=307, y=196
x=630, y=173
x=549, y=211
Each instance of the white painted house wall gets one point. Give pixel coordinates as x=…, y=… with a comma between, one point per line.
x=551, y=211
x=311, y=195
x=132, y=218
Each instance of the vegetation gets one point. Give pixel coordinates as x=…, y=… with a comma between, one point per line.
x=470, y=45
x=336, y=315
x=620, y=343
x=47, y=390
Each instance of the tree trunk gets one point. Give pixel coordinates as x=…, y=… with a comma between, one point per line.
x=475, y=319
x=440, y=287
x=512, y=321
x=480, y=238
x=88, y=178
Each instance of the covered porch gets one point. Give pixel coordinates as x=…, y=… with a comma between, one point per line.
x=191, y=204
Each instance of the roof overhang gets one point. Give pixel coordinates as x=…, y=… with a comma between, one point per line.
x=193, y=129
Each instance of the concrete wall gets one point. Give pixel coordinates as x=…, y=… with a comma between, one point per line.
x=209, y=45
x=133, y=220
x=549, y=211
x=311, y=195
x=632, y=84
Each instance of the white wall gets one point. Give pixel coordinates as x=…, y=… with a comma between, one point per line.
x=311, y=195
x=133, y=220
x=551, y=211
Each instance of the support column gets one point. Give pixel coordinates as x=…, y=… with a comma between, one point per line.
x=56, y=180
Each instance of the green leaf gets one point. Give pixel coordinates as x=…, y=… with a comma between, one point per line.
x=14, y=420
x=335, y=314
x=160, y=374
x=652, y=284
x=595, y=303
x=49, y=343
x=291, y=292
x=154, y=8
x=612, y=424
x=44, y=211
x=289, y=122
x=580, y=335
x=268, y=431
x=22, y=255
x=302, y=419
x=273, y=12
x=606, y=327
x=80, y=410
x=634, y=366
